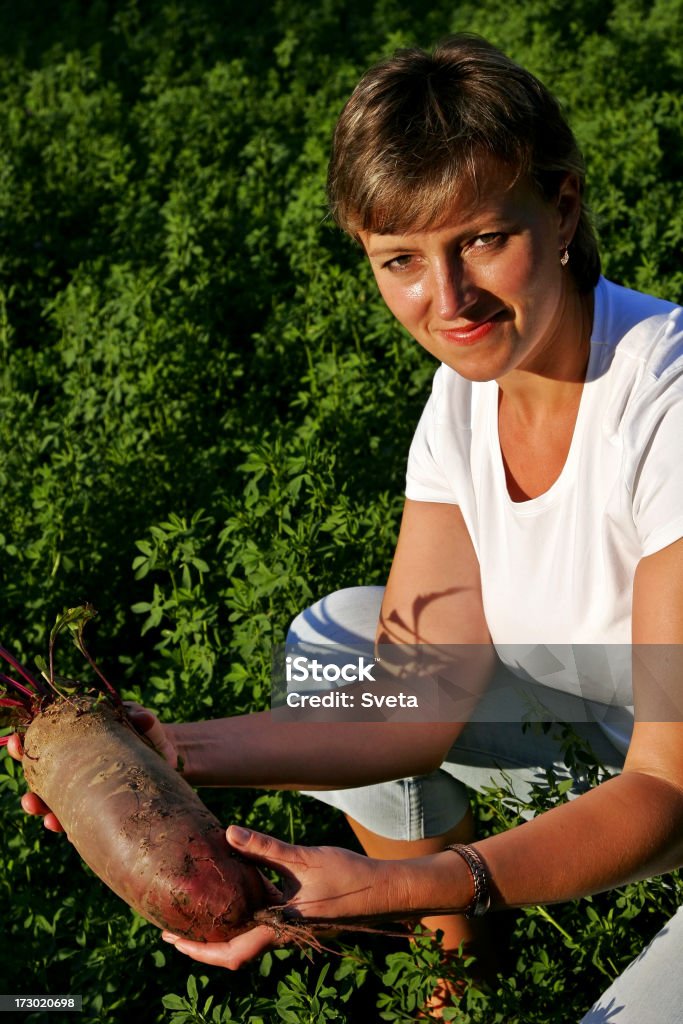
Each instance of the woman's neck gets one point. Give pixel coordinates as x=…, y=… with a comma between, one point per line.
x=556, y=378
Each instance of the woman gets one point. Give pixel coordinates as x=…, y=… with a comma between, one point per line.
x=544, y=510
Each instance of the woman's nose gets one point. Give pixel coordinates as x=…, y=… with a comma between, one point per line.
x=454, y=291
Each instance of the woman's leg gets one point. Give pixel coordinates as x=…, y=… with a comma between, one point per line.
x=650, y=991
x=490, y=751
x=455, y=927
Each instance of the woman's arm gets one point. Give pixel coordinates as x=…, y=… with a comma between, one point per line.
x=433, y=594
x=258, y=750
x=435, y=549
x=628, y=828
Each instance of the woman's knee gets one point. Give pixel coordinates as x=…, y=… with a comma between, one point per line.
x=409, y=809
x=347, y=617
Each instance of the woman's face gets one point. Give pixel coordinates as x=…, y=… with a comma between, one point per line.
x=486, y=293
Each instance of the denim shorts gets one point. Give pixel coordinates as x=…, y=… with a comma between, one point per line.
x=486, y=753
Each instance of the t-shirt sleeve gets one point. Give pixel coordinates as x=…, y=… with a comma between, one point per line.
x=425, y=476
x=658, y=480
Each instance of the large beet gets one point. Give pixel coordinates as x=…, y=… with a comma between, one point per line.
x=136, y=822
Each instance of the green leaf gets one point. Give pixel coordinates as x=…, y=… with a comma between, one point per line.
x=173, y=1002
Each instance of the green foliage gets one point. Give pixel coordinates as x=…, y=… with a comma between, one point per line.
x=205, y=412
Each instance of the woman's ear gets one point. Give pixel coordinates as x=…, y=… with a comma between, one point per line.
x=568, y=204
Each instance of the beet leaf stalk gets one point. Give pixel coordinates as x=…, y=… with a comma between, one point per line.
x=24, y=700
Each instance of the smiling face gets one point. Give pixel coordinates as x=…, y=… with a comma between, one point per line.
x=485, y=292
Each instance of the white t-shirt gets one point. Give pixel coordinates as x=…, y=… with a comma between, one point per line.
x=557, y=570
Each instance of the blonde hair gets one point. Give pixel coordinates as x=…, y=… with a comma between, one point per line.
x=420, y=128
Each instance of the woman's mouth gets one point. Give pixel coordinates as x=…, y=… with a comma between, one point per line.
x=469, y=334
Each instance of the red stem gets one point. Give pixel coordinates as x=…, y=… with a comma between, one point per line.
x=109, y=689
x=37, y=686
x=7, y=702
x=19, y=687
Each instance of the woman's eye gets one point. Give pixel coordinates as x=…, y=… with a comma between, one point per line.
x=399, y=262
x=487, y=240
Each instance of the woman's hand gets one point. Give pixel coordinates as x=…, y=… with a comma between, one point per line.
x=31, y=803
x=319, y=883
x=149, y=726
x=146, y=723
